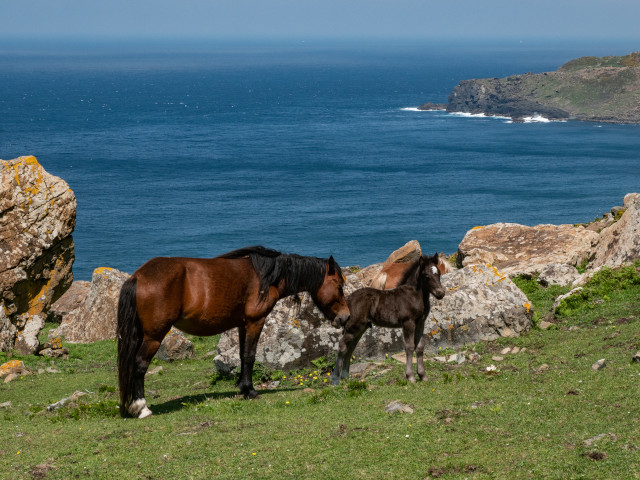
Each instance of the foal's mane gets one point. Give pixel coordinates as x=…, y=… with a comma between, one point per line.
x=409, y=276
x=299, y=273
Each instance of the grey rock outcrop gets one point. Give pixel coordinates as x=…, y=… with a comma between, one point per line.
x=96, y=318
x=36, y=247
x=175, y=346
x=521, y=250
x=71, y=300
x=481, y=304
x=619, y=243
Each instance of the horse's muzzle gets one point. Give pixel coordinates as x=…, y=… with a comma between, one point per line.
x=339, y=321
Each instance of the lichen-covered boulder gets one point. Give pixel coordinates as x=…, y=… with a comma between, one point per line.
x=96, y=318
x=175, y=346
x=481, y=304
x=521, y=250
x=71, y=300
x=296, y=333
x=36, y=247
x=619, y=243
x=558, y=274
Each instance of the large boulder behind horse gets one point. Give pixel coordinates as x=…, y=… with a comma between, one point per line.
x=481, y=304
x=296, y=333
x=38, y=217
x=522, y=250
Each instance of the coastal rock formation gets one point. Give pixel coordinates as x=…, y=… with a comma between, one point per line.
x=96, y=318
x=589, y=88
x=481, y=303
x=296, y=333
x=620, y=243
x=36, y=247
x=521, y=250
x=71, y=300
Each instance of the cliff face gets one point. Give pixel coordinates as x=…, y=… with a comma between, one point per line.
x=589, y=88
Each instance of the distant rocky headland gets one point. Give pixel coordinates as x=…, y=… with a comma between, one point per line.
x=595, y=89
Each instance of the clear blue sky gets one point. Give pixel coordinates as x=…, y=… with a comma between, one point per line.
x=321, y=18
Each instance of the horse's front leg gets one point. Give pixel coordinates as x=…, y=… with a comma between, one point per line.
x=419, y=339
x=251, y=330
x=408, y=333
x=346, y=346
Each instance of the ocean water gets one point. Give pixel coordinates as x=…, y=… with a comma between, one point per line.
x=313, y=148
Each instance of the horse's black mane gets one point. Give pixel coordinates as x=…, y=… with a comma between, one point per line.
x=299, y=273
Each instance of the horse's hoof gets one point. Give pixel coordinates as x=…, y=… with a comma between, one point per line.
x=145, y=413
x=251, y=395
x=411, y=379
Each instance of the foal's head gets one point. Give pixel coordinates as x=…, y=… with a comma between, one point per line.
x=330, y=296
x=430, y=270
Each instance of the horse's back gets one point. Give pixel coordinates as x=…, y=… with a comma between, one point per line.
x=199, y=296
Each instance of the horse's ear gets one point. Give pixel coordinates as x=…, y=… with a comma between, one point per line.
x=422, y=261
x=332, y=266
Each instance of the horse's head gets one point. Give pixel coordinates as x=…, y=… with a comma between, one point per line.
x=330, y=296
x=430, y=271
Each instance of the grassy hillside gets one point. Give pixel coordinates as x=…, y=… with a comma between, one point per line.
x=603, y=89
x=544, y=413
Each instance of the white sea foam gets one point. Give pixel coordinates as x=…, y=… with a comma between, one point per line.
x=479, y=115
x=415, y=109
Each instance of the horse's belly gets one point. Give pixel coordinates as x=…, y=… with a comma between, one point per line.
x=206, y=327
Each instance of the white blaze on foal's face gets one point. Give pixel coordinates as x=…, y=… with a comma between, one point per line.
x=434, y=270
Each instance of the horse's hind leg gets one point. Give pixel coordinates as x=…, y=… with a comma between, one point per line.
x=420, y=340
x=147, y=350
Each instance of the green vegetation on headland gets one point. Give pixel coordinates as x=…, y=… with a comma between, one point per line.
x=597, y=89
x=543, y=412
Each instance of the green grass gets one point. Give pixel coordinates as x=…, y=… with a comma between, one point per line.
x=517, y=423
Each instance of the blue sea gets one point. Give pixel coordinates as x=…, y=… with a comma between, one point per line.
x=315, y=147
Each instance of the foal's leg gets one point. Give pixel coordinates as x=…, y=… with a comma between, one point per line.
x=147, y=350
x=408, y=333
x=419, y=340
x=252, y=330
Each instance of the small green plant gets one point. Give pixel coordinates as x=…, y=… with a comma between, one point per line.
x=356, y=387
x=599, y=290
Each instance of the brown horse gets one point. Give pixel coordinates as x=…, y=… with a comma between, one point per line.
x=405, y=306
x=210, y=296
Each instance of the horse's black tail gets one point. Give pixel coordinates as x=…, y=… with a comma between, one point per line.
x=129, y=341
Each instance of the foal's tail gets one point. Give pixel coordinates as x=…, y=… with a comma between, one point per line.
x=129, y=341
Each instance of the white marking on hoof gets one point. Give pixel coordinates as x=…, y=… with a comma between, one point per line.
x=139, y=408
x=145, y=413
